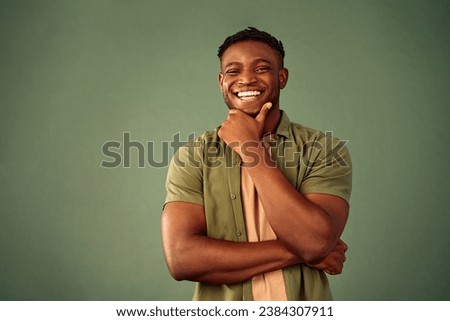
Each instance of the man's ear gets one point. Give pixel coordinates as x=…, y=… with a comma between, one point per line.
x=283, y=76
x=220, y=80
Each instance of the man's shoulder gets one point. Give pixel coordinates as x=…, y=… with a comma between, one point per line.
x=199, y=142
x=297, y=131
x=205, y=137
x=309, y=137
x=306, y=133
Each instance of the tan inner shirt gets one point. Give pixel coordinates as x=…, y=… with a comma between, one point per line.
x=268, y=286
x=207, y=173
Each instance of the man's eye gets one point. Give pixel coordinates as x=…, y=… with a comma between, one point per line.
x=262, y=69
x=232, y=72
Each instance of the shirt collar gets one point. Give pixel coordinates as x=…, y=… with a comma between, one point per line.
x=283, y=126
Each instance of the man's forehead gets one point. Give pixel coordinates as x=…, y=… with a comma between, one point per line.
x=249, y=50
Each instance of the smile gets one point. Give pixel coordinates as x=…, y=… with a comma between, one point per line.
x=248, y=95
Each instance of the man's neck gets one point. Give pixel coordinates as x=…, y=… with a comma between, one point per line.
x=272, y=121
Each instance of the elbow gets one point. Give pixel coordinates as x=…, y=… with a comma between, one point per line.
x=177, y=267
x=177, y=273
x=181, y=264
x=316, y=249
x=311, y=254
x=314, y=256
x=178, y=257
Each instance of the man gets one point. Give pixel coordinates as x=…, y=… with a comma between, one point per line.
x=256, y=208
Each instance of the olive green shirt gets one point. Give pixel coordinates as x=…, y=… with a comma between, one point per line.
x=207, y=172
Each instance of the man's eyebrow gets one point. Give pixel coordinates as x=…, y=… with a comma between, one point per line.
x=258, y=60
x=232, y=63
x=263, y=60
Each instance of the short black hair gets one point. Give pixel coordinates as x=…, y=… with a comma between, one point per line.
x=251, y=33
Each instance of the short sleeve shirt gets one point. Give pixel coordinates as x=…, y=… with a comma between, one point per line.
x=207, y=172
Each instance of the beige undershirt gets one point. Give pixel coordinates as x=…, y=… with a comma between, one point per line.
x=268, y=286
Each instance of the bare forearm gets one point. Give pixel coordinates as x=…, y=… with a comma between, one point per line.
x=309, y=225
x=303, y=226
x=212, y=261
x=191, y=255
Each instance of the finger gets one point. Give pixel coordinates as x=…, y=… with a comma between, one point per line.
x=331, y=272
x=343, y=244
x=261, y=118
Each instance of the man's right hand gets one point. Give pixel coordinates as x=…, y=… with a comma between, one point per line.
x=240, y=130
x=334, y=262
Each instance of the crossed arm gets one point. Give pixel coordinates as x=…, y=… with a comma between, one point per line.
x=191, y=255
x=308, y=228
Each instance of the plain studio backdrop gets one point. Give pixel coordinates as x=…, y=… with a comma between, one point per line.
x=77, y=76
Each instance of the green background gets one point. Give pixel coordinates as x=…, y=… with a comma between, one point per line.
x=77, y=74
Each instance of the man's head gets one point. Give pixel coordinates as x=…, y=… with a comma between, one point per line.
x=254, y=34
x=251, y=71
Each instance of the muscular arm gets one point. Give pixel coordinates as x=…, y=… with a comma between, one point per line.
x=191, y=255
x=308, y=228
x=308, y=225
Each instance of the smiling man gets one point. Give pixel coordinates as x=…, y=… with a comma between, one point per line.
x=255, y=209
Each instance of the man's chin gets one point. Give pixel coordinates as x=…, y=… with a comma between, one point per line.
x=253, y=115
x=252, y=111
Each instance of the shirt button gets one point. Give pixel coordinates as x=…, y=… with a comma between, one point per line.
x=234, y=162
x=238, y=233
x=233, y=196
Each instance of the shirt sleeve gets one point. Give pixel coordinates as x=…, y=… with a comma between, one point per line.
x=184, y=180
x=330, y=169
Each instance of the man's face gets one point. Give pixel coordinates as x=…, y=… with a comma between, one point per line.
x=251, y=75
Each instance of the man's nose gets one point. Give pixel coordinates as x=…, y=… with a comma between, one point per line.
x=247, y=77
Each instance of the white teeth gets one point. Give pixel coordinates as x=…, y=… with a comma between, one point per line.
x=248, y=93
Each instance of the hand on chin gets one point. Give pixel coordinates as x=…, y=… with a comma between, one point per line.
x=250, y=109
